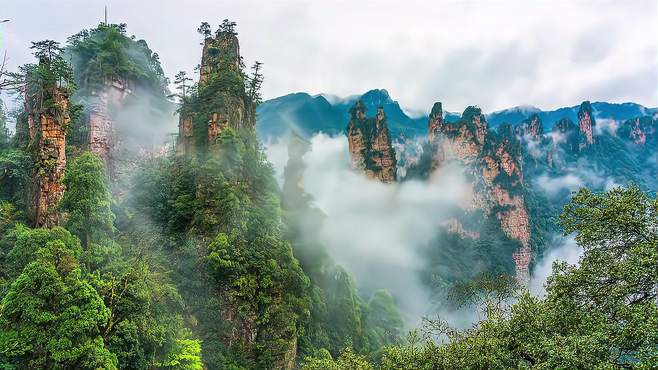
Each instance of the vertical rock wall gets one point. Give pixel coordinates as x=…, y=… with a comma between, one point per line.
x=495, y=163
x=370, y=145
x=220, y=55
x=47, y=128
x=101, y=125
x=585, y=124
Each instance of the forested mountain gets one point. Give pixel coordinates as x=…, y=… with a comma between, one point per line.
x=124, y=244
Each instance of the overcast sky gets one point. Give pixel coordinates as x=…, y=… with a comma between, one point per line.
x=492, y=53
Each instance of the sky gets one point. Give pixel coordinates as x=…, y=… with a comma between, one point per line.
x=492, y=53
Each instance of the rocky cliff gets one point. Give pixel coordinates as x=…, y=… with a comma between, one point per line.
x=532, y=128
x=494, y=162
x=585, y=123
x=221, y=84
x=102, y=139
x=639, y=130
x=370, y=144
x=48, y=120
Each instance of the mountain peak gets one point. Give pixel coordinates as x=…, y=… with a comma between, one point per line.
x=377, y=97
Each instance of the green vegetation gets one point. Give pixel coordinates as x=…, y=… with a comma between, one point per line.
x=599, y=314
x=202, y=261
x=106, y=51
x=106, y=305
x=87, y=202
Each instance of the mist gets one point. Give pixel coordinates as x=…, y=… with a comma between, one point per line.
x=376, y=230
x=566, y=250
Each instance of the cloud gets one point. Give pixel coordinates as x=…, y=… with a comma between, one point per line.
x=567, y=251
x=583, y=173
x=375, y=230
x=495, y=54
x=555, y=185
x=603, y=126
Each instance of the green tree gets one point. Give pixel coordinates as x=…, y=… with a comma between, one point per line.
x=185, y=354
x=4, y=131
x=255, y=82
x=22, y=243
x=615, y=285
x=348, y=360
x=51, y=317
x=181, y=81
x=87, y=199
x=204, y=30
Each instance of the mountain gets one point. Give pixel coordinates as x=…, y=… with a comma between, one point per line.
x=601, y=110
x=307, y=115
x=521, y=174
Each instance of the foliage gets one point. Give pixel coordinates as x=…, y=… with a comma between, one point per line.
x=21, y=244
x=87, y=199
x=601, y=313
x=347, y=360
x=186, y=355
x=51, y=317
x=255, y=82
x=4, y=131
x=106, y=51
x=181, y=81
x=15, y=166
x=231, y=198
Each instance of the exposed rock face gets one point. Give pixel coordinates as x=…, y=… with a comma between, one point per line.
x=585, y=123
x=639, y=130
x=370, y=144
x=221, y=55
x=566, y=134
x=224, y=46
x=47, y=128
x=185, y=143
x=102, y=127
x=532, y=128
x=494, y=160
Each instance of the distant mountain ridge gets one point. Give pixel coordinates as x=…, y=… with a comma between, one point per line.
x=308, y=115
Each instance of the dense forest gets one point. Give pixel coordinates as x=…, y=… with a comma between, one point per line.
x=118, y=253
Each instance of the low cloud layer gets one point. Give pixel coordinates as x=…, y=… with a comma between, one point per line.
x=567, y=250
x=376, y=230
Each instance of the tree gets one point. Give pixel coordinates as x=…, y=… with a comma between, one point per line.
x=51, y=317
x=204, y=30
x=4, y=132
x=181, y=80
x=348, y=360
x=255, y=82
x=615, y=286
x=227, y=28
x=46, y=49
x=24, y=243
x=87, y=199
x=186, y=354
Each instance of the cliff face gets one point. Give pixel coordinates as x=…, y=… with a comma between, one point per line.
x=640, y=130
x=585, y=123
x=218, y=55
x=47, y=128
x=228, y=107
x=102, y=127
x=370, y=144
x=532, y=128
x=494, y=161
